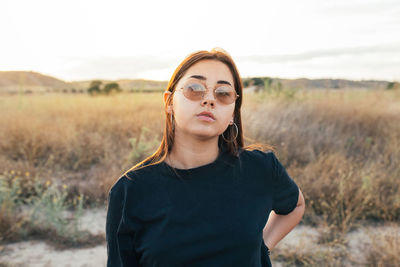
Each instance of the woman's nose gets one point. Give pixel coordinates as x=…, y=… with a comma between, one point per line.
x=208, y=98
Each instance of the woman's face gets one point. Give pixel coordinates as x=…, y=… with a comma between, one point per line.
x=214, y=74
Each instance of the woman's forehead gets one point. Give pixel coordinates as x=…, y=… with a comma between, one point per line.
x=209, y=70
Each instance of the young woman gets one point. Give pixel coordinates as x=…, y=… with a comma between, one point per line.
x=202, y=199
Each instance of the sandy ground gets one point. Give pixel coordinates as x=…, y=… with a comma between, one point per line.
x=35, y=253
x=39, y=254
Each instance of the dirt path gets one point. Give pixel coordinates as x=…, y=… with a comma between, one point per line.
x=36, y=253
x=39, y=254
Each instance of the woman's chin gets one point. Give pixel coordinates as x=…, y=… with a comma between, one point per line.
x=200, y=131
x=205, y=135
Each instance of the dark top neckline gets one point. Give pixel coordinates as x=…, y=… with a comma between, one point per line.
x=199, y=170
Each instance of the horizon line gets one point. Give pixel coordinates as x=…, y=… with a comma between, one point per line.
x=242, y=77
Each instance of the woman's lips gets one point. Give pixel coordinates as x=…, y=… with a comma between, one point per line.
x=205, y=118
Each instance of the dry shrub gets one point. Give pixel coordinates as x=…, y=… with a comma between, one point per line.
x=61, y=242
x=304, y=130
x=342, y=150
x=333, y=187
x=343, y=191
x=30, y=209
x=10, y=221
x=12, y=195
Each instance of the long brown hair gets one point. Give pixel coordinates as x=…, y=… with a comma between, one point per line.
x=232, y=147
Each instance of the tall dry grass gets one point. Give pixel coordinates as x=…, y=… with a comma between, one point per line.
x=80, y=140
x=343, y=150
x=341, y=147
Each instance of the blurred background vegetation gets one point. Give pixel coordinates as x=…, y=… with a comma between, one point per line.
x=61, y=153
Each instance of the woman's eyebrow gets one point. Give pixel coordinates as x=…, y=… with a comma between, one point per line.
x=200, y=77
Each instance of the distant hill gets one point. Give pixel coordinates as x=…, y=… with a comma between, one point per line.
x=29, y=81
x=127, y=85
x=304, y=83
x=34, y=82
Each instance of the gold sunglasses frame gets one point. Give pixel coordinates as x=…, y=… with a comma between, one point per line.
x=204, y=93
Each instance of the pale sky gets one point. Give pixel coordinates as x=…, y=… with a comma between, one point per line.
x=90, y=39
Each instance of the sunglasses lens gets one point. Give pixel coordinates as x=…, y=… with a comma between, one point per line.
x=194, y=91
x=226, y=95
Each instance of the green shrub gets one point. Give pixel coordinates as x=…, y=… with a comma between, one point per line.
x=42, y=213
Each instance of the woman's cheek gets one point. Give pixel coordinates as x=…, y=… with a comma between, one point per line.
x=186, y=119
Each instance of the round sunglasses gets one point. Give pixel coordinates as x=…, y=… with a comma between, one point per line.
x=195, y=91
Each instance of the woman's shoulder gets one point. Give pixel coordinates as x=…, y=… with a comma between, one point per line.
x=133, y=178
x=257, y=155
x=264, y=159
x=119, y=185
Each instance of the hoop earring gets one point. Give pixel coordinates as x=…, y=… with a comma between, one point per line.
x=172, y=122
x=237, y=132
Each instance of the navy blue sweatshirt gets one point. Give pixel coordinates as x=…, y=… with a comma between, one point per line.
x=211, y=215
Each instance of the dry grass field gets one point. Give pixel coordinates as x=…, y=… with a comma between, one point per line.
x=61, y=153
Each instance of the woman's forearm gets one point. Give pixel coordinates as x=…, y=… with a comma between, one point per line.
x=278, y=226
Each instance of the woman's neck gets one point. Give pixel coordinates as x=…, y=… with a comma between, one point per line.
x=188, y=155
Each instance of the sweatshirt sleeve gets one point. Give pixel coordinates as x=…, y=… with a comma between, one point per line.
x=286, y=191
x=120, y=247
